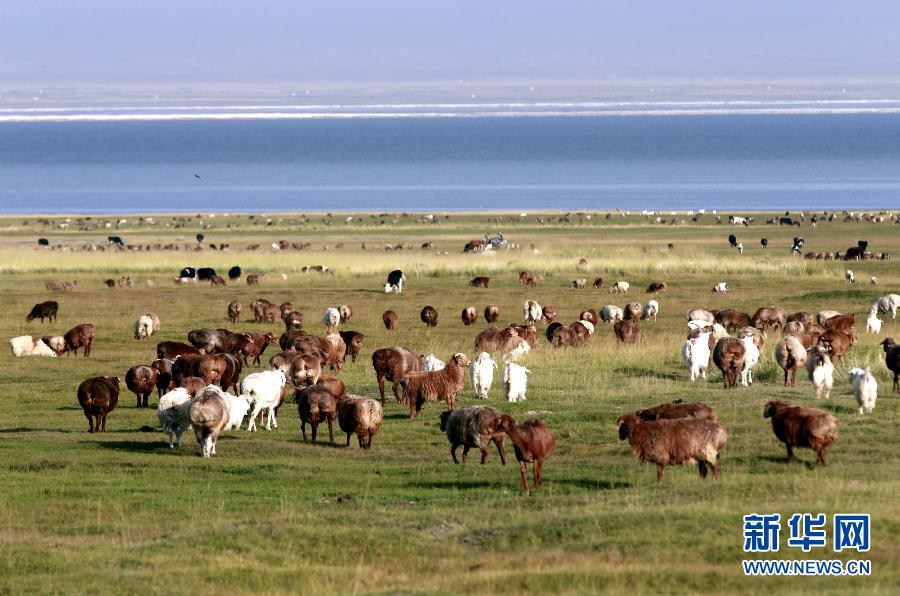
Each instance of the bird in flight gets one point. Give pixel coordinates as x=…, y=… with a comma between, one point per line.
x=197, y=176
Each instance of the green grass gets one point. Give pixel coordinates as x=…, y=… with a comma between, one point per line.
x=121, y=512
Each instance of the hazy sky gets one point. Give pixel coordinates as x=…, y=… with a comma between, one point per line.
x=228, y=41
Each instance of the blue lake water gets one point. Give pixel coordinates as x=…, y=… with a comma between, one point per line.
x=725, y=162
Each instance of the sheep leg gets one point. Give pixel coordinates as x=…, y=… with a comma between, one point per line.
x=104, y=422
x=251, y=425
x=703, y=470
x=523, y=469
x=381, y=388
x=90, y=422
x=394, y=389
x=330, y=433
x=820, y=456
x=348, y=439
x=87, y=350
x=660, y=471
x=538, y=466
x=303, y=428
x=138, y=396
x=499, y=443
x=453, y=453
x=466, y=453
x=315, y=429
x=790, y=453
x=715, y=470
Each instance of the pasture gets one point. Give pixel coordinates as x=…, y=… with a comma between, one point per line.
x=121, y=512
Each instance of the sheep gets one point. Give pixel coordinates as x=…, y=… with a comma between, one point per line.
x=611, y=313
x=790, y=355
x=445, y=384
x=590, y=315
x=305, y=369
x=238, y=408
x=873, y=280
x=721, y=288
x=332, y=318
x=360, y=415
x=346, y=312
x=515, y=382
x=729, y=355
x=548, y=313
x=393, y=364
x=678, y=409
x=163, y=368
x=533, y=442
x=48, y=309
x=650, y=310
x=316, y=404
x=395, y=280
x=680, y=442
x=627, y=332
x=657, y=286
x=209, y=416
x=532, y=312
x=353, y=340
x=431, y=363
x=701, y=314
x=26, y=345
x=57, y=343
x=890, y=302
x=579, y=284
x=174, y=414
x=469, y=315
x=892, y=359
x=194, y=385
x=429, y=316
x=480, y=282
x=293, y=321
x=800, y=426
x=848, y=275
x=482, y=373
x=598, y=283
x=98, y=396
x=793, y=328
x=491, y=313
x=235, y=308
x=264, y=391
x=873, y=323
x=143, y=327
x=768, y=316
x=823, y=315
x=633, y=311
x=843, y=323
x=837, y=343
x=751, y=358
x=526, y=332
x=820, y=371
x=141, y=380
x=156, y=322
x=80, y=336
x=865, y=389
x=620, y=287
x=390, y=319
x=695, y=354
x=474, y=426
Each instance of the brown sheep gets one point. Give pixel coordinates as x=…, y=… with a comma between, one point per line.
x=269, y=313
x=209, y=368
x=282, y=361
x=194, y=385
x=480, y=282
x=837, y=342
x=678, y=409
x=429, y=316
x=305, y=370
x=286, y=308
x=333, y=385
x=257, y=307
x=235, y=308
x=44, y=310
x=345, y=312
x=98, y=397
x=627, y=332
x=529, y=279
x=141, y=380
x=314, y=405
x=254, y=350
x=217, y=280
x=633, y=311
x=581, y=331
x=590, y=316
x=496, y=340
x=768, y=316
x=353, y=340
x=790, y=355
x=842, y=323
x=390, y=319
x=164, y=382
x=560, y=336
x=253, y=279
x=728, y=355
x=548, y=313
x=526, y=332
x=892, y=359
x=598, y=283
x=800, y=426
x=445, y=384
x=293, y=321
x=533, y=442
x=173, y=349
x=657, y=286
x=793, y=328
x=78, y=337
x=675, y=442
x=232, y=373
x=360, y=415
x=491, y=313
x=475, y=426
x=393, y=364
x=802, y=316
x=759, y=340
x=57, y=343
x=732, y=319
x=469, y=315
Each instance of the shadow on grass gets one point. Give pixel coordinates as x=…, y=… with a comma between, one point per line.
x=646, y=372
x=22, y=429
x=782, y=459
x=450, y=484
x=135, y=446
x=593, y=483
x=396, y=416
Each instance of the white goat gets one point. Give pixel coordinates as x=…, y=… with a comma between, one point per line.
x=263, y=390
x=751, y=358
x=821, y=371
x=532, y=311
x=482, y=371
x=620, y=287
x=25, y=345
x=721, y=288
x=848, y=275
x=865, y=388
x=143, y=327
x=651, y=309
x=520, y=350
x=873, y=323
x=515, y=381
x=332, y=318
x=695, y=354
x=174, y=414
x=432, y=363
x=239, y=406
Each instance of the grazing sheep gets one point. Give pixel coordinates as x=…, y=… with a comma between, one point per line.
x=720, y=288
x=98, y=397
x=360, y=415
x=627, y=332
x=346, y=312
x=733, y=319
x=209, y=416
x=293, y=321
x=843, y=323
x=701, y=314
x=482, y=373
x=579, y=284
x=768, y=316
x=759, y=340
x=620, y=287
x=790, y=355
x=164, y=381
x=548, y=313
x=469, y=315
x=431, y=363
x=793, y=328
x=650, y=310
x=238, y=408
x=141, y=380
x=445, y=384
x=305, y=369
x=429, y=316
x=395, y=281
x=57, y=343
x=591, y=316
x=695, y=354
x=823, y=315
x=751, y=358
x=532, y=312
x=873, y=323
x=235, y=308
x=515, y=382
x=865, y=389
x=848, y=275
x=353, y=340
x=678, y=409
x=314, y=405
x=332, y=318
x=78, y=337
x=25, y=345
x=892, y=359
x=393, y=364
x=533, y=442
x=264, y=391
x=633, y=311
x=837, y=343
x=390, y=319
x=657, y=286
x=873, y=280
x=480, y=282
x=174, y=414
x=491, y=313
x=729, y=355
x=48, y=309
x=474, y=426
x=143, y=327
x=820, y=370
x=598, y=283
x=675, y=442
x=610, y=313
x=890, y=302
x=800, y=426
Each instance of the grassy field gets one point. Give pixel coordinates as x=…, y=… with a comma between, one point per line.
x=121, y=512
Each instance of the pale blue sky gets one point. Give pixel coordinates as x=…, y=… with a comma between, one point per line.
x=227, y=41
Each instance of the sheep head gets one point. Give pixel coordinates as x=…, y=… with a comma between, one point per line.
x=625, y=423
x=773, y=405
x=444, y=416
x=459, y=359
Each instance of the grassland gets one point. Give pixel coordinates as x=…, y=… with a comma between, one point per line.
x=121, y=512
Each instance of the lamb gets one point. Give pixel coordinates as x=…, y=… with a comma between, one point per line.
x=515, y=381
x=598, y=283
x=235, y=308
x=491, y=313
x=633, y=311
x=143, y=327
x=627, y=332
x=293, y=321
x=678, y=409
x=431, y=363
x=733, y=319
x=620, y=287
x=890, y=302
x=429, y=316
x=393, y=364
x=848, y=275
x=790, y=355
x=314, y=405
x=419, y=387
x=174, y=414
x=843, y=323
x=729, y=355
x=751, y=359
x=532, y=312
x=533, y=442
x=264, y=391
x=650, y=310
x=873, y=323
x=390, y=319
x=720, y=288
x=360, y=415
x=865, y=389
x=346, y=313
x=610, y=313
x=695, y=354
x=141, y=380
x=469, y=315
x=474, y=426
x=873, y=280
x=800, y=426
x=892, y=359
x=679, y=442
x=305, y=369
x=98, y=396
x=238, y=408
x=482, y=373
x=25, y=345
x=209, y=416
x=820, y=370
x=332, y=318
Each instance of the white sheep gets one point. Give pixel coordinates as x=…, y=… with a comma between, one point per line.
x=587, y=325
x=332, y=318
x=482, y=372
x=388, y=288
x=263, y=390
x=25, y=345
x=865, y=388
x=698, y=324
x=873, y=280
x=432, y=363
x=515, y=381
x=721, y=288
x=610, y=313
x=821, y=371
x=751, y=359
x=143, y=327
x=620, y=287
x=238, y=406
x=891, y=303
x=848, y=275
x=532, y=311
x=650, y=310
x=695, y=355
x=520, y=350
x=873, y=323
x=740, y=248
x=174, y=414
